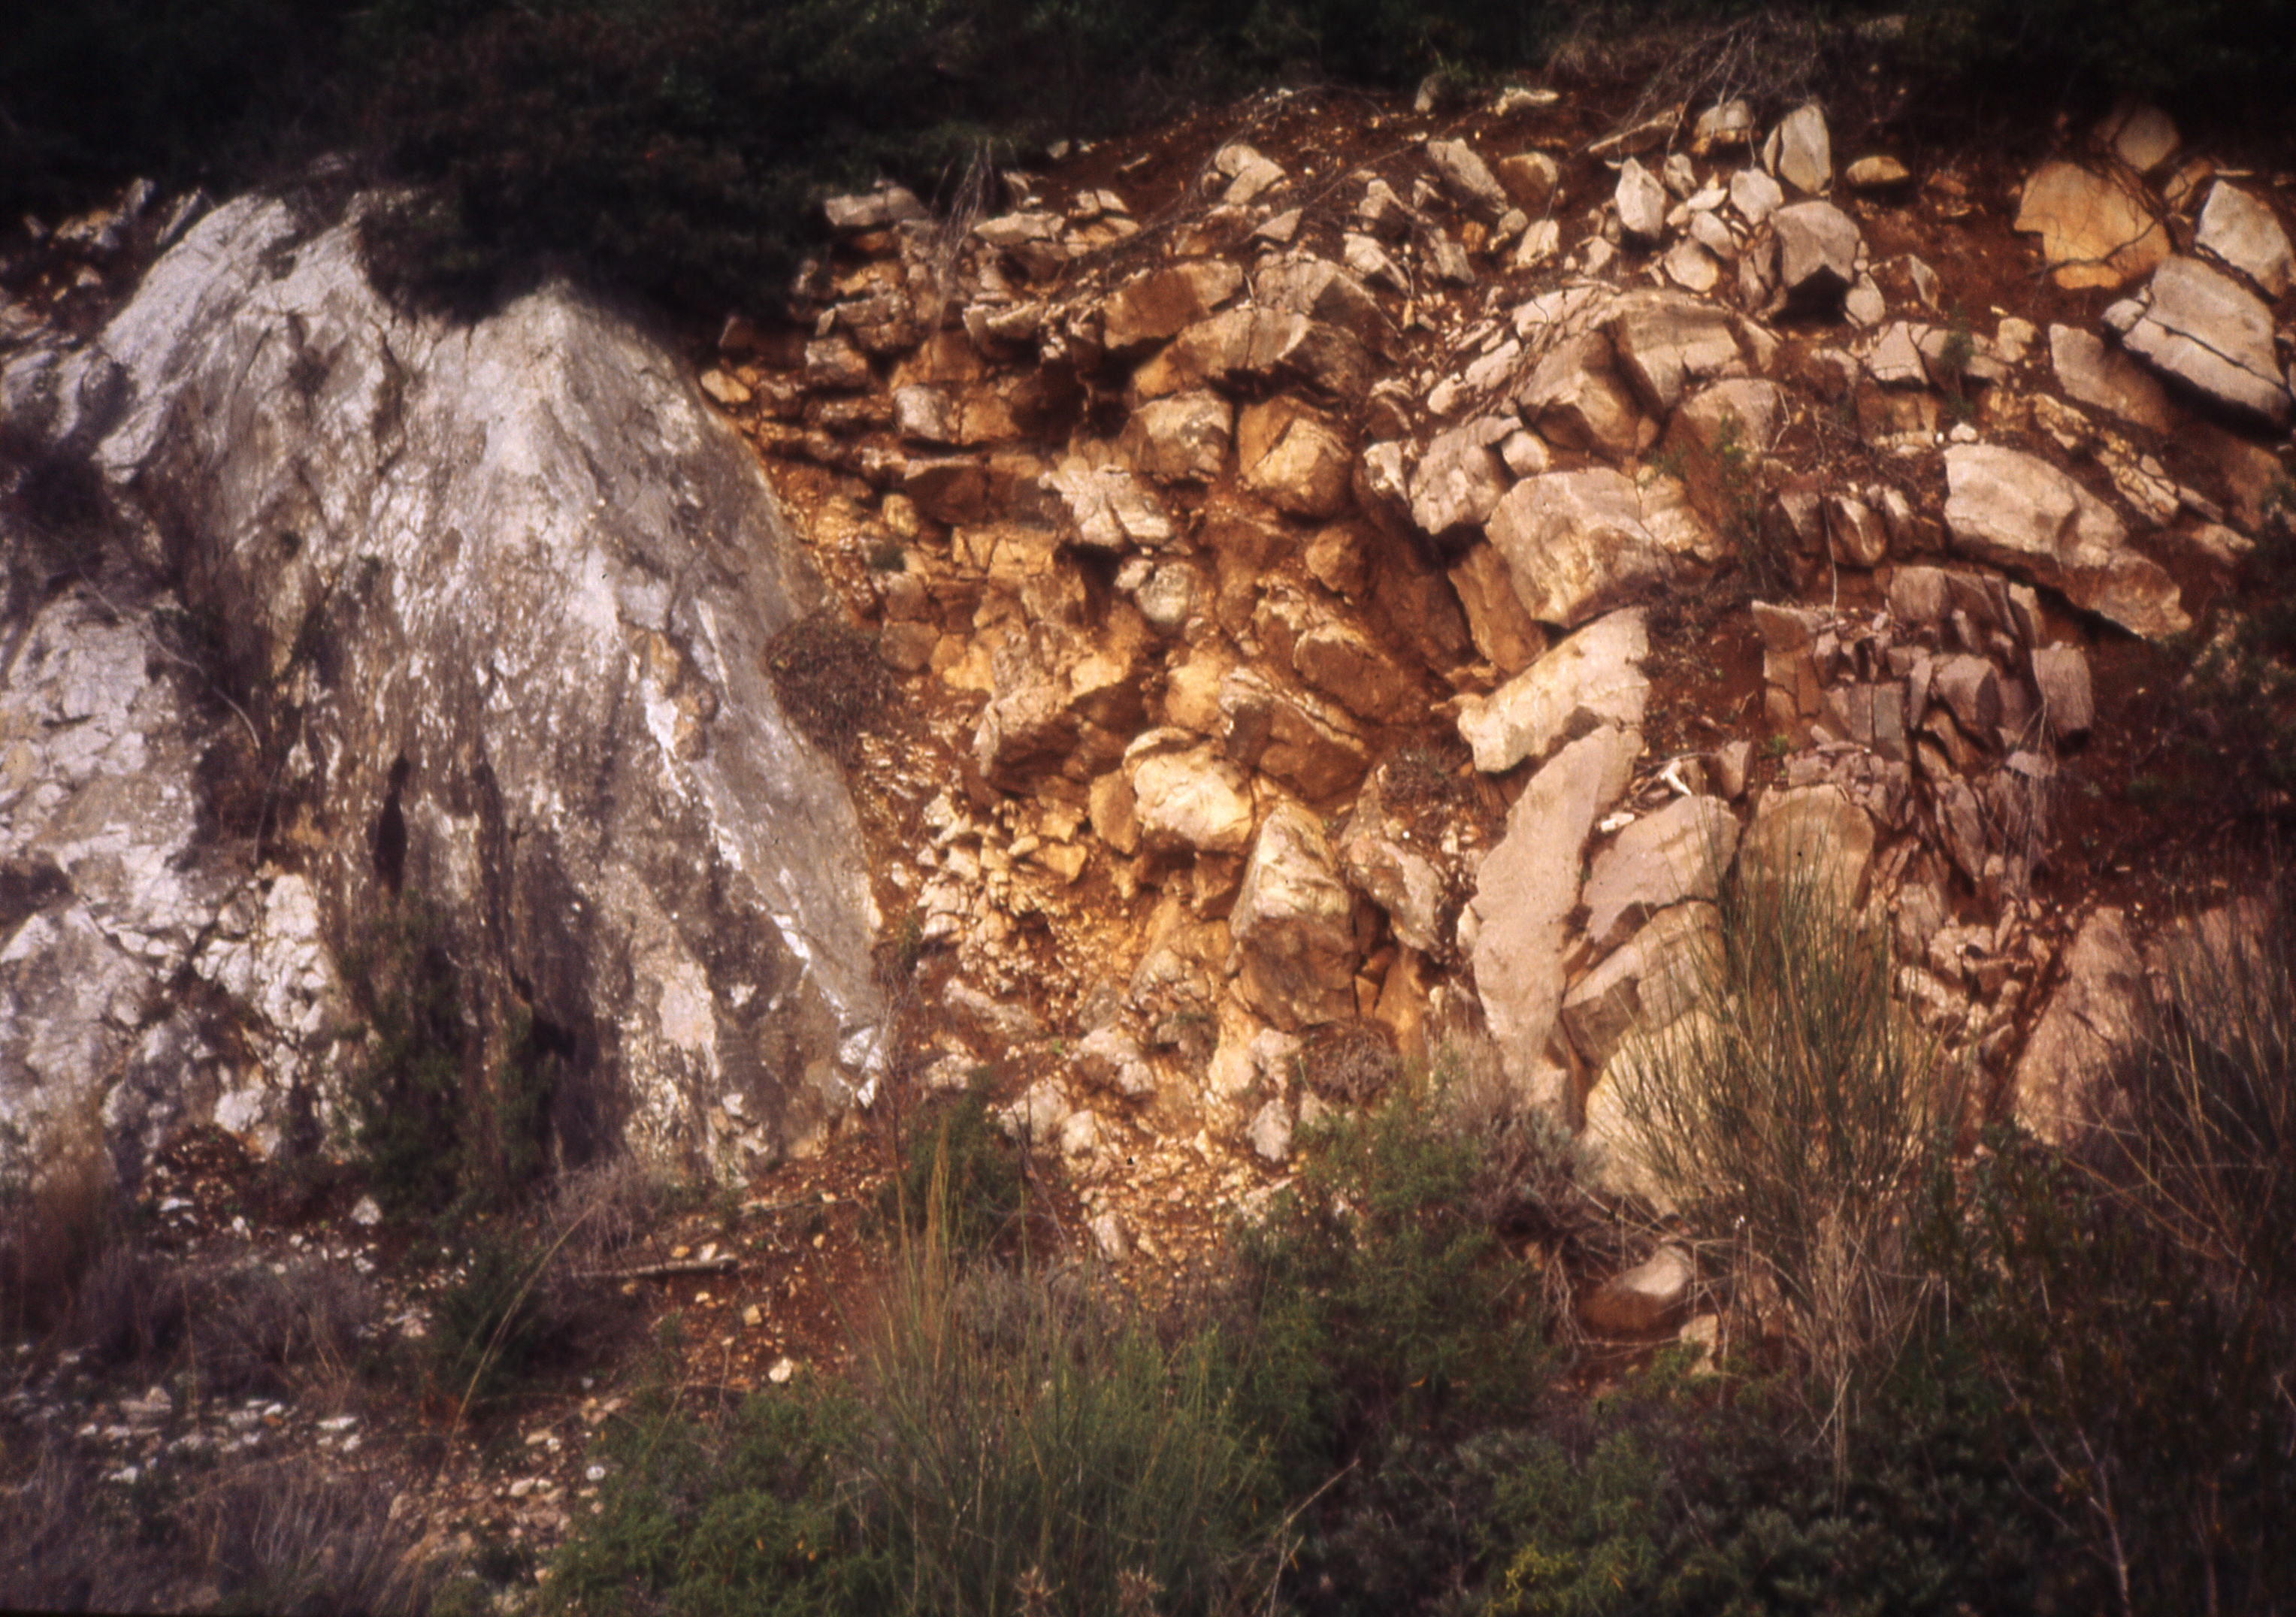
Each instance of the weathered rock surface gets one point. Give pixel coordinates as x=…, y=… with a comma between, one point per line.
x=2094, y=373
x=2090, y=1022
x=2017, y=511
x=2248, y=235
x=501, y=595
x=1527, y=886
x=1800, y=150
x=2204, y=328
x=1580, y=543
x=1293, y=926
x=2095, y=231
x=1592, y=678
x=1679, y=851
x=1810, y=838
x=1646, y=983
x=1817, y=252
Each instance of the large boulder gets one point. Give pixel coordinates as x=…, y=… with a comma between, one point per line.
x=1646, y=983
x=1294, y=926
x=1811, y=843
x=1678, y=853
x=1580, y=543
x=1667, y=343
x=2094, y=229
x=2207, y=330
x=495, y=600
x=2094, y=373
x=1817, y=247
x=1527, y=888
x=2019, y=512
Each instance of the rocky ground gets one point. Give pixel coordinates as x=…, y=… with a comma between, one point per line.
x=1353, y=577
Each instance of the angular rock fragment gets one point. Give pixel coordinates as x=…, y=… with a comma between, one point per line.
x=2019, y=512
x=2090, y=1023
x=2094, y=229
x=1579, y=543
x=1646, y=983
x=2243, y=233
x=1527, y=888
x=1800, y=150
x=1592, y=678
x=1679, y=851
x=2201, y=327
x=1184, y=437
x=2094, y=373
x=1294, y=926
x=1817, y=252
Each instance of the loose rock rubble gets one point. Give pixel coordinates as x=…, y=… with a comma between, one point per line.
x=1276, y=485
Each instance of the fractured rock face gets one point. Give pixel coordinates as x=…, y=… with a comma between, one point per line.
x=2204, y=328
x=1646, y=983
x=1292, y=456
x=1800, y=150
x=1527, y=886
x=2021, y=513
x=1579, y=543
x=1293, y=926
x=1578, y=401
x=1817, y=252
x=544, y=574
x=2090, y=1023
x=1191, y=799
x=1667, y=343
x=2248, y=235
x=1678, y=853
x=2095, y=231
x=1810, y=834
x=1183, y=437
x=2094, y=373
x=1592, y=678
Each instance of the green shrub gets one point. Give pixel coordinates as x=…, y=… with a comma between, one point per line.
x=1372, y=1297
x=958, y=1174
x=1008, y=1447
x=1794, y=1111
x=491, y=1328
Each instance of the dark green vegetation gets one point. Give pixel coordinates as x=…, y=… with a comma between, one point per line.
x=2027, y=1380
x=675, y=146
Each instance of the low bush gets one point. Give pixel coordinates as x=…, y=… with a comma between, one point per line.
x=1795, y=1112
x=958, y=1174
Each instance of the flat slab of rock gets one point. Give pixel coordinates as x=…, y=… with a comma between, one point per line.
x=1460, y=479
x=2200, y=326
x=1527, y=886
x=2090, y=1023
x=1594, y=677
x=2095, y=231
x=1667, y=343
x=1680, y=852
x=2093, y=371
x=1580, y=543
x=2248, y=235
x=2019, y=512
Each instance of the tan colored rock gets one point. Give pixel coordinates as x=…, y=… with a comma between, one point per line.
x=1382, y=865
x=1294, y=926
x=1592, y=678
x=2061, y=678
x=1290, y=737
x=1667, y=344
x=2144, y=137
x=1527, y=888
x=1579, y=543
x=1460, y=479
x=1679, y=851
x=1163, y=303
x=1640, y=202
x=1184, y=437
x=2095, y=231
x=1467, y=177
x=1810, y=834
x=1817, y=247
x=1756, y=407
x=1800, y=150
x=1506, y=636
x=2019, y=512
x=1293, y=457
x=1648, y=1298
x=1115, y=814
x=1579, y=401
x=1344, y=665
x=1646, y=983
x=1529, y=179
x=1878, y=172
x=2242, y=231
x=2090, y=1023
x=1191, y=799
x=2092, y=373
x=1112, y=509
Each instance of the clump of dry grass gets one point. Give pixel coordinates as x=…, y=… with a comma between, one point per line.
x=59, y=1226
x=831, y=682
x=1349, y=1063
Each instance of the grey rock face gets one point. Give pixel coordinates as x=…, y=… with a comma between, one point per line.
x=2246, y=234
x=2204, y=328
x=499, y=596
x=2021, y=513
